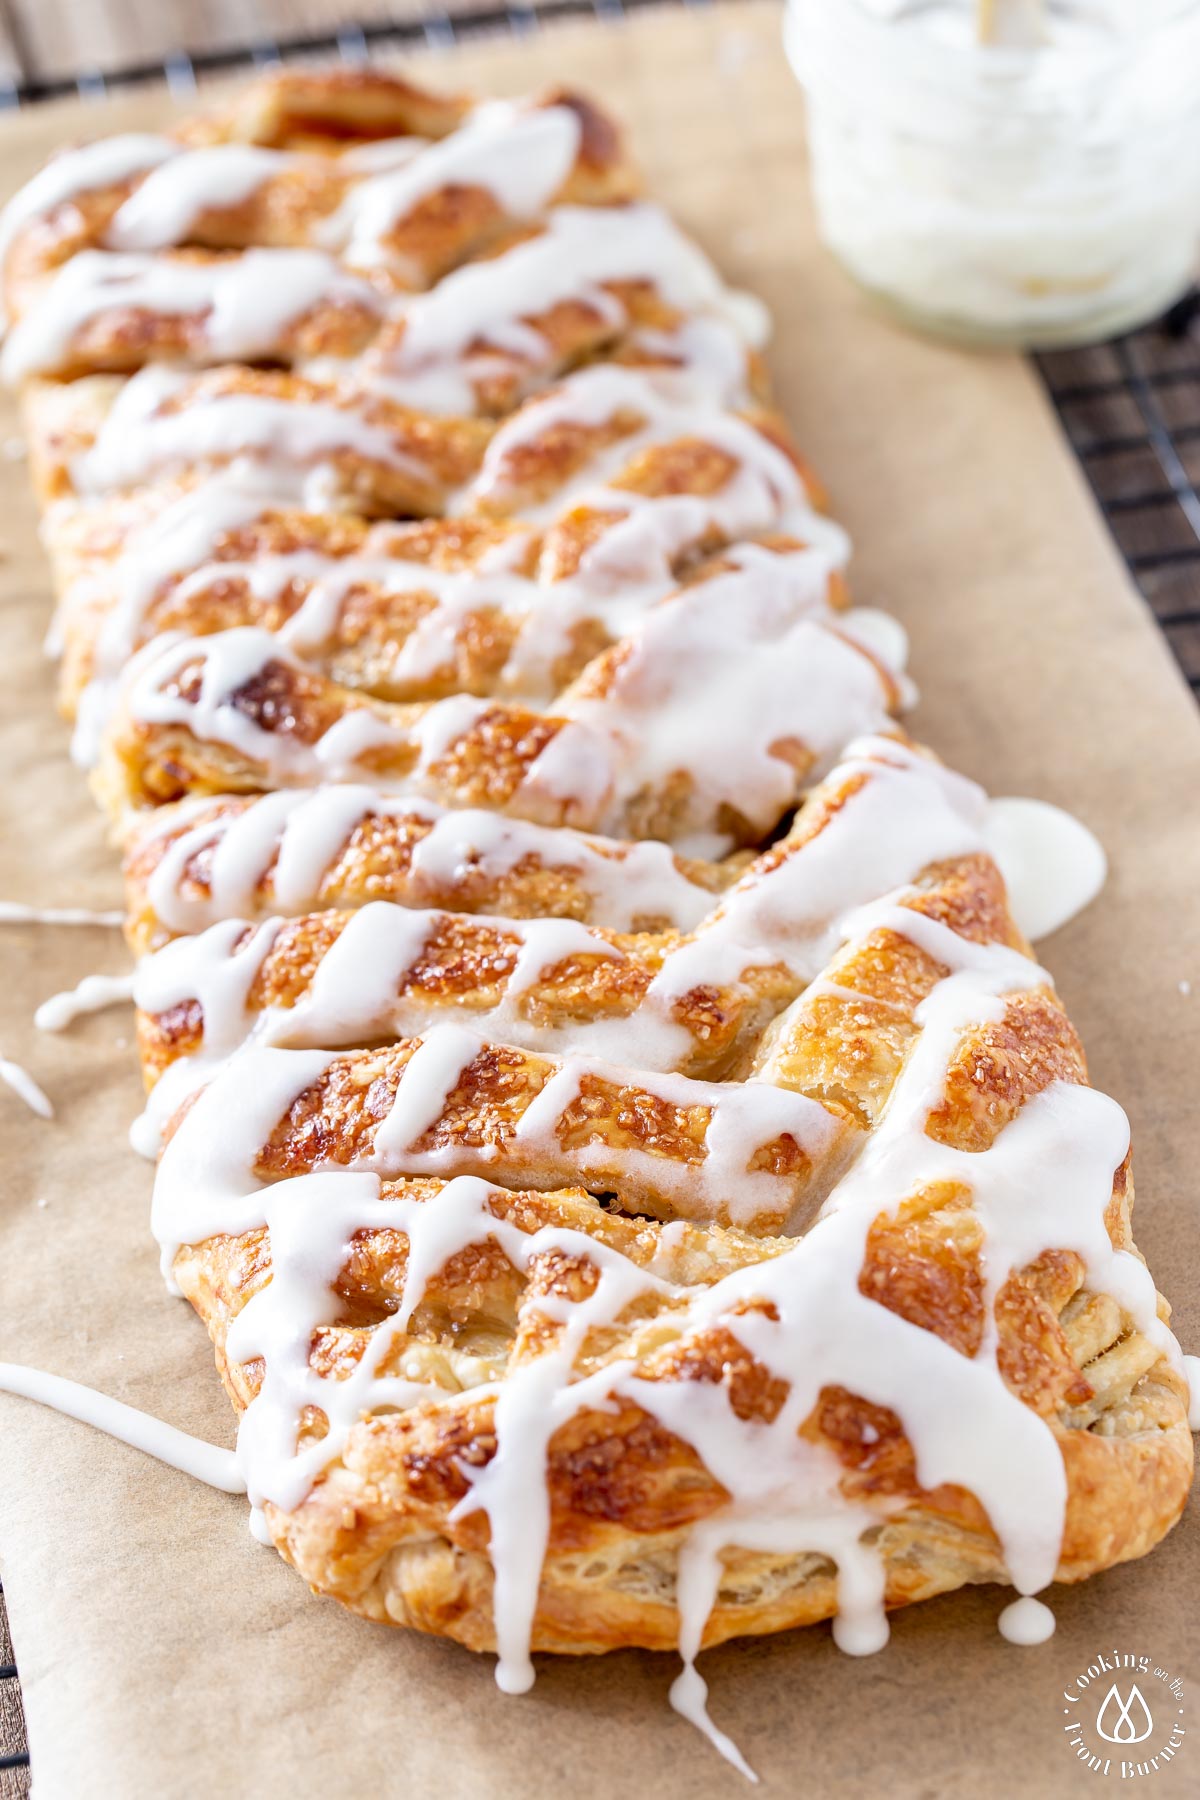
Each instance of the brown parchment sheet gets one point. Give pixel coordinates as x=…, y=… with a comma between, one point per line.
x=164, y=1653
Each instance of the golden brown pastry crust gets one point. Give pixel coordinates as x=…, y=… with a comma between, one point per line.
x=624, y=1491
x=383, y=602
x=526, y=477
x=379, y=860
x=418, y=461
x=487, y=757
x=310, y=124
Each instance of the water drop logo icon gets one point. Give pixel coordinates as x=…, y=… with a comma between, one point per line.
x=1124, y=1721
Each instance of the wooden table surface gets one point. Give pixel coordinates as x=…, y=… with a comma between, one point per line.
x=48, y=40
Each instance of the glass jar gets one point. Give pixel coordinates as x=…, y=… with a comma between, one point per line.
x=1037, y=194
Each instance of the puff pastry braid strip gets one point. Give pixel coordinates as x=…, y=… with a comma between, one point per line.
x=408, y=206
x=402, y=612
x=626, y=750
x=309, y=849
x=701, y=1373
x=638, y=1185
x=681, y=1001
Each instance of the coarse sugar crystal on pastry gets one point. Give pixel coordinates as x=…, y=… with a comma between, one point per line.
x=627, y=748
x=346, y=449
x=924, y=1320
x=639, y=1186
x=632, y=491
x=679, y=1000
x=406, y=612
x=299, y=850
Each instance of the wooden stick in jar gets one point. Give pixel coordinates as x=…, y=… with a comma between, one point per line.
x=1012, y=24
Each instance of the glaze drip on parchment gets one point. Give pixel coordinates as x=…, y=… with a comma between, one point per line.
x=739, y=691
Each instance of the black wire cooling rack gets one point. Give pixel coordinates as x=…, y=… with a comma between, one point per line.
x=436, y=26
x=1130, y=409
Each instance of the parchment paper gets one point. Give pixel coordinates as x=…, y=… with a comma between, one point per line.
x=162, y=1651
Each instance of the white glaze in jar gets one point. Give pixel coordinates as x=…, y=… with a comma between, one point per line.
x=1039, y=194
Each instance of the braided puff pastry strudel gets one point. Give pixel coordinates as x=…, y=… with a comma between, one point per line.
x=639, y=1185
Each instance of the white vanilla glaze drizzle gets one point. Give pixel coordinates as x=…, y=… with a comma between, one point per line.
x=621, y=575
x=430, y=647
x=707, y=623
x=907, y=812
x=1052, y=865
x=22, y=1084
x=103, y=164
x=293, y=442
x=165, y=205
x=757, y=648
x=215, y=1467
x=710, y=681
x=297, y=834
x=95, y=993
x=246, y=302
x=12, y=913
x=184, y=535
x=229, y=660
x=478, y=319
x=521, y=155
x=1026, y=1621
x=549, y=612
x=360, y=985
x=764, y=492
x=621, y=578
x=744, y=1118
x=1045, y=1181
